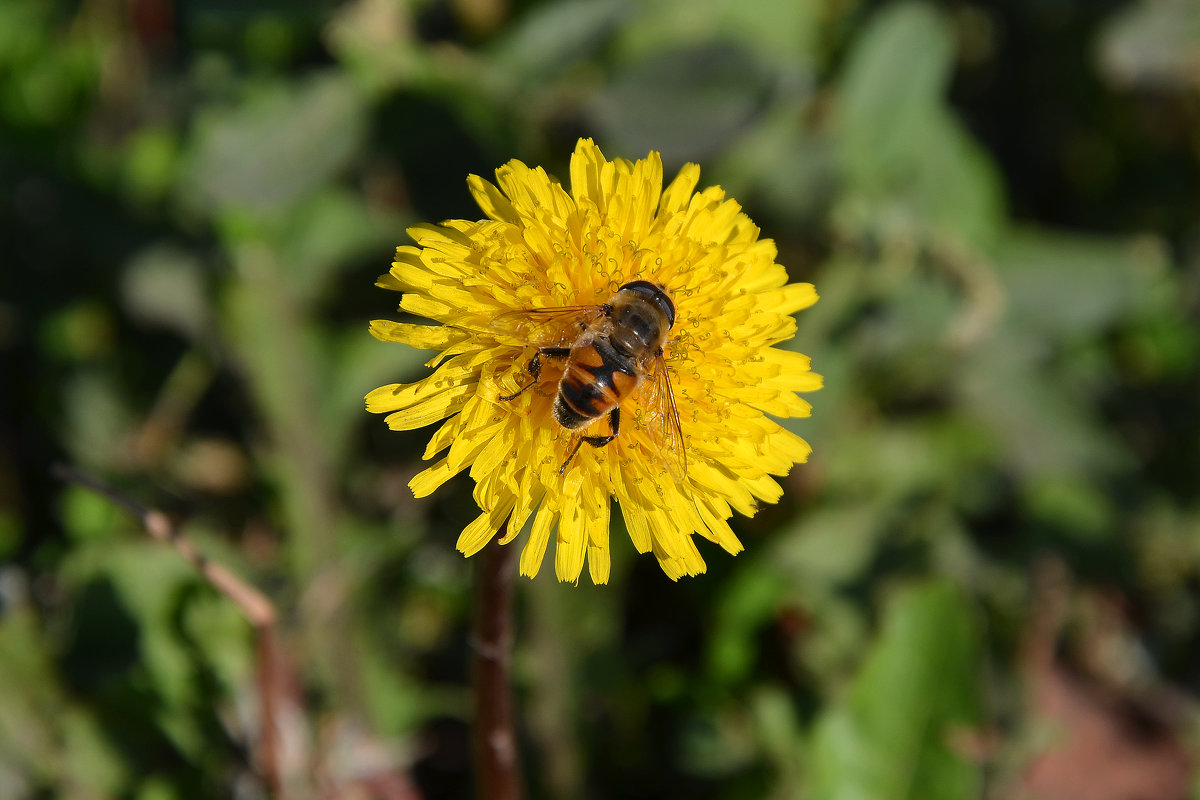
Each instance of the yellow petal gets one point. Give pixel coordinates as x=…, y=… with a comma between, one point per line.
x=571, y=548
x=432, y=410
x=427, y=481
x=483, y=528
x=422, y=337
x=539, y=537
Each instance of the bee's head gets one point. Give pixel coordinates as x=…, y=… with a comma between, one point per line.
x=655, y=294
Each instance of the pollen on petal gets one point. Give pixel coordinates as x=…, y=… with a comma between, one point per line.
x=429, y=411
x=453, y=377
x=422, y=337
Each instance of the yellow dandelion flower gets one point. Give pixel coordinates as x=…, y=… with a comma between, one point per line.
x=497, y=289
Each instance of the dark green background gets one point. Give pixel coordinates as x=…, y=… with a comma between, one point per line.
x=997, y=202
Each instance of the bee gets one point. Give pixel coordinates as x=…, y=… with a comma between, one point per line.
x=611, y=351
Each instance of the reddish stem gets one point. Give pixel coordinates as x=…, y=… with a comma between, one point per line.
x=497, y=767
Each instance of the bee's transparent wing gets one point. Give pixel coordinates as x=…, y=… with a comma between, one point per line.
x=543, y=328
x=546, y=327
x=661, y=420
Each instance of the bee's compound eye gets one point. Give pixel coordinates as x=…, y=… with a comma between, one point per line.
x=655, y=294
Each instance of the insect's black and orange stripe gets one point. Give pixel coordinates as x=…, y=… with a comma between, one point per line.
x=596, y=379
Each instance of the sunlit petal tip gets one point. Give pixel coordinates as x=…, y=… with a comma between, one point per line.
x=491, y=201
x=387, y=281
x=599, y=565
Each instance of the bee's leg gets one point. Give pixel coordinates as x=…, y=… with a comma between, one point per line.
x=535, y=368
x=614, y=421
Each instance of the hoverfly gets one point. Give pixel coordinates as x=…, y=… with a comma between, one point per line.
x=611, y=350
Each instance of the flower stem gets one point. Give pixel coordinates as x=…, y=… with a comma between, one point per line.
x=497, y=767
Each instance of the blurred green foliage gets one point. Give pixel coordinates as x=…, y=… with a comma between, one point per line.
x=996, y=202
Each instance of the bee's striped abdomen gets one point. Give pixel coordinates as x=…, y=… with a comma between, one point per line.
x=594, y=382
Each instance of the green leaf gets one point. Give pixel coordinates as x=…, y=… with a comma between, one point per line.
x=891, y=738
x=31, y=709
x=685, y=103
x=144, y=620
x=150, y=164
x=94, y=760
x=831, y=545
x=780, y=165
x=376, y=42
x=96, y=417
x=910, y=166
x=1063, y=285
x=784, y=32
x=1042, y=427
x=956, y=186
x=87, y=515
x=892, y=89
x=325, y=234
x=164, y=285
x=275, y=148
x=746, y=603
x=553, y=36
x=1072, y=504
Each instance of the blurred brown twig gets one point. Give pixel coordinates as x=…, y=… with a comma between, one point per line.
x=259, y=610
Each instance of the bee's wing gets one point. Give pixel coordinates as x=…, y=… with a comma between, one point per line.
x=547, y=327
x=662, y=420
